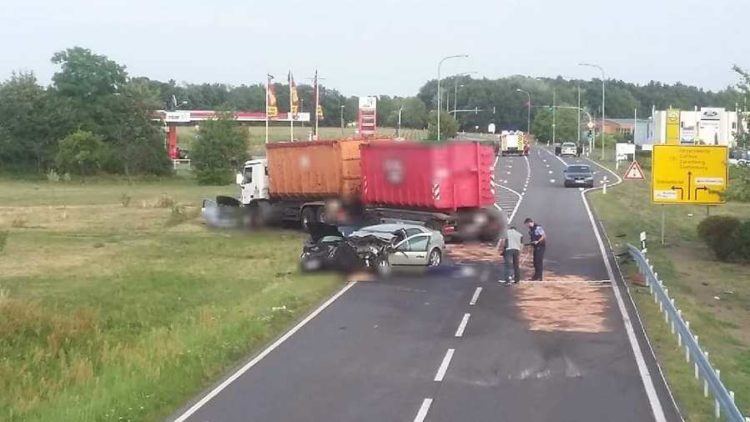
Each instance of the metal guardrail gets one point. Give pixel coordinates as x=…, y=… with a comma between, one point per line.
x=723, y=398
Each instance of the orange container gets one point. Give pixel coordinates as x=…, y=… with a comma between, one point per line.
x=314, y=170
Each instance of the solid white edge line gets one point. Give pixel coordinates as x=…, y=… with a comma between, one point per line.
x=213, y=393
x=475, y=297
x=648, y=383
x=423, y=409
x=462, y=325
x=444, y=365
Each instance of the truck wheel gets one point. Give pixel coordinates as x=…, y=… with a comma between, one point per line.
x=435, y=259
x=309, y=216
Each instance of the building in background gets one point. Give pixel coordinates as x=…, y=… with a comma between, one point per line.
x=702, y=126
x=623, y=127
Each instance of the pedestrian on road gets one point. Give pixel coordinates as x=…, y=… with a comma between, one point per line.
x=511, y=247
x=539, y=241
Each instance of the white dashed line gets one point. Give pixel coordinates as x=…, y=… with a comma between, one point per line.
x=422, y=413
x=462, y=325
x=476, y=296
x=444, y=365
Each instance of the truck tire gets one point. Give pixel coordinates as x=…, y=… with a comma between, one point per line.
x=308, y=216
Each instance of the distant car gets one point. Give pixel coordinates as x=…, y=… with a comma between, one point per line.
x=578, y=175
x=568, y=148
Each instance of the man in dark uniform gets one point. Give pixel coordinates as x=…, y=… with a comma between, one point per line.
x=539, y=241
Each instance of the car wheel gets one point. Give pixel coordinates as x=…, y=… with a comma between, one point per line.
x=383, y=266
x=435, y=259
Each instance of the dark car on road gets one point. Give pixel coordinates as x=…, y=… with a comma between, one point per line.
x=578, y=175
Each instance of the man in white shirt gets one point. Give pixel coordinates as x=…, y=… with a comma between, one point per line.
x=510, y=247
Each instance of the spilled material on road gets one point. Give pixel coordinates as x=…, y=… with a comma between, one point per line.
x=571, y=307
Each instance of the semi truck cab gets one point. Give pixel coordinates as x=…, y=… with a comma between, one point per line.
x=253, y=181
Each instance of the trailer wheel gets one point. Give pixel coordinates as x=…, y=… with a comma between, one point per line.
x=309, y=216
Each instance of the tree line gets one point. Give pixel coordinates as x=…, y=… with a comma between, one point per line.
x=107, y=115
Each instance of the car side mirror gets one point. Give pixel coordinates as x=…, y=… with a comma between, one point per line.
x=238, y=178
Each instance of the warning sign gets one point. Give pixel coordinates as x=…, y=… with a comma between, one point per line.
x=689, y=174
x=634, y=172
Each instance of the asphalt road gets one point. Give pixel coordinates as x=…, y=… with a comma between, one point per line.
x=459, y=346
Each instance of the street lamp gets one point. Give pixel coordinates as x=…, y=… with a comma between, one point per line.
x=528, y=112
x=440, y=64
x=601, y=69
x=398, y=128
x=455, y=89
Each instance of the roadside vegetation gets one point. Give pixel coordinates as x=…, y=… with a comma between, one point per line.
x=116, y=303
x=714, y=296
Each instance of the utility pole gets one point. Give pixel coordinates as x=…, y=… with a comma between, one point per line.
x=578, y=140
x=554, y=121
x=398, y=128
x=440, y=64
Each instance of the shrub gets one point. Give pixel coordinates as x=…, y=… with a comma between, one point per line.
x=165, y=201
x=52, y=176
x=125, y=200
x=719, y=233
x=742, y=243
x=739, y=184
x=81, y=152
x=219, y=144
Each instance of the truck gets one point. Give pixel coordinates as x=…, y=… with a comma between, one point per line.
x=513, y=143
x=447, y=187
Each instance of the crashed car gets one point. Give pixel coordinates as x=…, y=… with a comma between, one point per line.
x=374, y=248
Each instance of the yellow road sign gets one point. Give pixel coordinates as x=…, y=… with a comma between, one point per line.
x=688, y=174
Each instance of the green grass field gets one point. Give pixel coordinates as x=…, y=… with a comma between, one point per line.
x=116, y=303
x=277, y=132
x=713, y=296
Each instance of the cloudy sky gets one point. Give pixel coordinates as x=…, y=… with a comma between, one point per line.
x=385, y=46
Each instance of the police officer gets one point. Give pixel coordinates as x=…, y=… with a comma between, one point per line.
x=539, y=241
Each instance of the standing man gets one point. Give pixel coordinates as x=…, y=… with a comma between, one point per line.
x=511, y=247
x=539, y=241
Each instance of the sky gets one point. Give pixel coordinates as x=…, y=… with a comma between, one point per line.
x=387, y=47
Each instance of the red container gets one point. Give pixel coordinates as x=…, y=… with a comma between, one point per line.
x=441, y=177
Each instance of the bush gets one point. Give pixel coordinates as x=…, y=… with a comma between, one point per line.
x=742, y=243
x=719, y=233
x=81, y=153
x=448, y=126
x=739, y=184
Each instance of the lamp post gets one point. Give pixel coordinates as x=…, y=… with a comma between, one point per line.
x=440, y=64
x=601, y=69
x=528, y=111
x=398, y=128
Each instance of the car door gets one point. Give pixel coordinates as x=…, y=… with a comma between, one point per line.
x=412, y=250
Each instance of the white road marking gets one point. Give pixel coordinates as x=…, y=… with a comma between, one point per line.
x=648, y=384
x=518, y=203
x=475, y=297
x=552, y=180
x=550, y=172
x=462, y=325
x=422, y=413
x=213, y=393
x=444, y=365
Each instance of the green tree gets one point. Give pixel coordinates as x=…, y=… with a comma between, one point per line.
x=220, y=146
x=414, y=114
x=31, y=123
x=566, y=121
x=448, y=125
x=81, y=153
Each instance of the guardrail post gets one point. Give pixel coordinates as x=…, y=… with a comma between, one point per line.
x=696, y=369
x=705, y=379
x=717, y=409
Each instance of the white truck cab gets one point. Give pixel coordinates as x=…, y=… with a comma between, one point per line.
x=253, y=181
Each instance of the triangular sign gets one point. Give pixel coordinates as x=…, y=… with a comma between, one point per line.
x=634, y=172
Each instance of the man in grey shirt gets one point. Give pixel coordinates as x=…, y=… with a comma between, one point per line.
x=511, y=250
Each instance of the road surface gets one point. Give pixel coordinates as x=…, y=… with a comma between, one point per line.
x=459, y=346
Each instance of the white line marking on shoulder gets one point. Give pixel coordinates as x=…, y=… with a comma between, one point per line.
x=648, y=384
x=213, y=393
